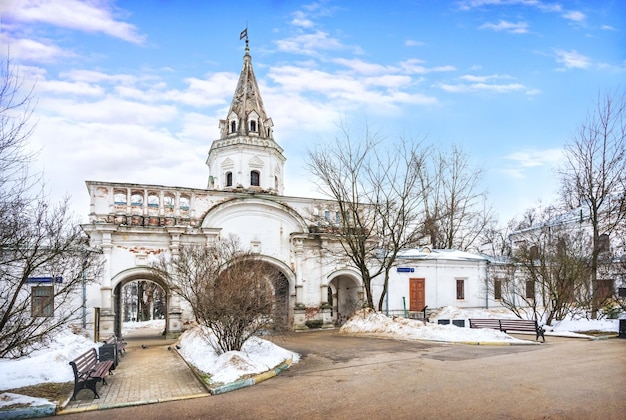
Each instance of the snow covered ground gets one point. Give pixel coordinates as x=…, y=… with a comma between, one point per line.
x=258, y=355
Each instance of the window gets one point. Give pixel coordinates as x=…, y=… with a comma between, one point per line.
x=153, y=200
x=136, y=200
x=460, y=289
x=530, y=289
x=604, y=244
x=42, y=302
x=233, y=126
x=184, y=203
x=327, y=216
x=497, y=289
x=337, y=218
x=252, y=125
x=119, y=198
x=168, y=202
x=229, y=179
x=254, y=178
x=604, y=290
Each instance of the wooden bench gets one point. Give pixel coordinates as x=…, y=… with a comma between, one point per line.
x=88, y=371
x=505, y=325
x=112, y=348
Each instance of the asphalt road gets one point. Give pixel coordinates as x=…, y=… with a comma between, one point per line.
x=344, y=377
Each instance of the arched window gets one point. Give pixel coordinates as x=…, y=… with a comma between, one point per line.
x=168, y=201
x=153, y=200
x=184, y=202
x=119, y=198
x=229, y=179
x=233, y=126
x=252, y=125
x=254, y=178
x=136, y=200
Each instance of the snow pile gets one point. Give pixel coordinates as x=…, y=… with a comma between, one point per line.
x=50, y=364
x=583, y=325
x=452, y=312
x=375, y=323
x=142, y=325
x=256, y=356
x=7, y=399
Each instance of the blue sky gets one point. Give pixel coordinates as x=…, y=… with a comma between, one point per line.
x=132, y=91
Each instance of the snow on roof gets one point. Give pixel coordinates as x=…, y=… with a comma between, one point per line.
x=440, y=254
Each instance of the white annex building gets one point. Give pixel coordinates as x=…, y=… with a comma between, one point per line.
x=130, y=222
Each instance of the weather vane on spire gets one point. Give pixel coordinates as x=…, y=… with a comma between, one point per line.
x=244, y=34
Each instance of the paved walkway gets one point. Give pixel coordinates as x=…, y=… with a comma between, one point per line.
x=143, y=376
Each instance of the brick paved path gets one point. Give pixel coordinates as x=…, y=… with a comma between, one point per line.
x=150, y=375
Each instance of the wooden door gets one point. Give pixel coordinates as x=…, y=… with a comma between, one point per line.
x=417, y=294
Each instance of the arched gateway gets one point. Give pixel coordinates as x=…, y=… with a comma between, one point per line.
x=132, y=223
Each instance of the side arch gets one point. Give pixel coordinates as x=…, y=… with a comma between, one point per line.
x=119, y=280
x=345, y=294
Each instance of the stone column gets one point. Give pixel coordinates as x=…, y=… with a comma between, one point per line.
x=107, y=313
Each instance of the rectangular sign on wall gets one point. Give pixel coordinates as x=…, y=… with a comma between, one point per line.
x=405, y=269
x=57, y=279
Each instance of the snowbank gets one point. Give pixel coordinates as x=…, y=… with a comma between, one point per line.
x=256, y=356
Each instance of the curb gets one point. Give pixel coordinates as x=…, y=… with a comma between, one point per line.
x=244, y=383
x=128, y=404
x=43, y=410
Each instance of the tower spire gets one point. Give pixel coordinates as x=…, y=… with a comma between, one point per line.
x=246, y=153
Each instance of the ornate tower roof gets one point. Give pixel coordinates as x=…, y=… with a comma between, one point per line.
x=246, y=155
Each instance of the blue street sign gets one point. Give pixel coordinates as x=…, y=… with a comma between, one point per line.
x=57, y=279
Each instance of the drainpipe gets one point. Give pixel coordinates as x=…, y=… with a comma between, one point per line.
x=404, y=305
x=487, y=284
x=84, y=290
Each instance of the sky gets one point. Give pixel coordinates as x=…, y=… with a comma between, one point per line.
x=257, y=356
x=133, y=91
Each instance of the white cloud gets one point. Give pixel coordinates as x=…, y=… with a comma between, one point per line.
x=575, y=16
x=59, y=87
x=572, y=59
x=413, y=66
x=608, y=28
x=486, y=83
x=108, y=110
x=481, y=86
x=413, y=43
x=309, y=44
x=86, y=16
x=538, y=4
x=482, y=79
x=93, y=76
x=381, y=93
x=301, y=20
x=515, y=28
x=535, y=158
x=30, y=50
x=362, y=67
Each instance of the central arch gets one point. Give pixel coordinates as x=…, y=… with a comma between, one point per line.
x=284, y=292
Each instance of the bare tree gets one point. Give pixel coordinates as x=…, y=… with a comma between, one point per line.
x=43, y=260
x=230, y=291
x=458, y=216
x=548, y=275
x=592, y=178
x=378, y=195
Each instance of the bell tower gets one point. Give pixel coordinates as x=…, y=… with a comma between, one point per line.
x=246, y=157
